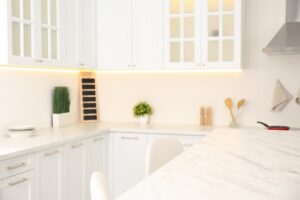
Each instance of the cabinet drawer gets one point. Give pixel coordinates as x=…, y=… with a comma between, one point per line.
x=19, y=187
x=15, y=166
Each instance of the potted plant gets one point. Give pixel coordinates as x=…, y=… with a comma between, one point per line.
x=142, y=111
x=61, y=106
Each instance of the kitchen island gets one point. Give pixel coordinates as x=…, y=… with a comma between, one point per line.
x=229, y=165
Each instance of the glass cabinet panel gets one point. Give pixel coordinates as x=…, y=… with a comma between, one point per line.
x=27, y=40
x=175, y=6
x=182, y=31
x=221, y=33
x=22, y=27
x=16, y=34
x=213, y=5
x=213, y=26
x=54, y=44
x=213, y=51
x=15, y=8
x=45, y=43
x=228, y=50
x=44, y=11
x=228, y=5
x=189, y=6
x=228, y=25
x=175, y=27
x=53, y=13
x=189, y=28
x=27, y=9
x=175, y=51
x=50, y=30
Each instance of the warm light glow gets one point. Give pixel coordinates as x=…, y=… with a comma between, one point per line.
x=70, y=70
x=200, y=71
x=38, y=68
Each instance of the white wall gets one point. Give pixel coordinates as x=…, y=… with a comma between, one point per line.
x=176, y=98
x=25, y=96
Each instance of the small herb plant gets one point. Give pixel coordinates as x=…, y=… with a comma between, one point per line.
x=142, y=109
x=61, y=100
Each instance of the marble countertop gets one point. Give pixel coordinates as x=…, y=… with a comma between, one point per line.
x=45, y=138
x=229, y=165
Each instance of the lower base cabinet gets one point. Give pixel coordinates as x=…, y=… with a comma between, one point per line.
x=64, y=172
x=19, y=187
x=128, y=161
x=50, y=174
x=75, y=170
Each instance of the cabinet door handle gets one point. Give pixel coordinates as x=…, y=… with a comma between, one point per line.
x=98, y=139
x=76, y=146
x=129, y=138
x=17, y=182
x=39, y=60
x=16, y=166
x=51, y=153
x=81, y=64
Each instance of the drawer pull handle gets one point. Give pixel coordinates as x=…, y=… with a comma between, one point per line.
x=98, y=139
x=187, y=145
x=16, y=166
x=129, y=138
x=51, y=153
x=17, y=182
x=76, y=146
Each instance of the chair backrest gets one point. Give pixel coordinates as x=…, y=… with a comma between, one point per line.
x=99, y=187
x=160, y=151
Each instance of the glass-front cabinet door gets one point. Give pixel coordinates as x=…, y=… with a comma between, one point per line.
x=182, y=34
x=22, y=30
x=203, y=34
x=222, y=47
x=49, y=31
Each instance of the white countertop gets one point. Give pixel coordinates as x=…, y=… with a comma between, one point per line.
x=229, y=165
x=45, y=138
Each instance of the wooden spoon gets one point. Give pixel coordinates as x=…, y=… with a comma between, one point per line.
x=228, y=103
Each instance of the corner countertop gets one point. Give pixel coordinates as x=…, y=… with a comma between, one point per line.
x=46, y=138
x=229, y=165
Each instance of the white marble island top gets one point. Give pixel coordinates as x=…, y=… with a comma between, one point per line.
x=45, y=138
x=229, y=165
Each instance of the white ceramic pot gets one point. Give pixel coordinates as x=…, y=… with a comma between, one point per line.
x=144, y=119
x=59, y=120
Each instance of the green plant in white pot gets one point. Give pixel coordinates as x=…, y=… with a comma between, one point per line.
x=143, y=111
x=61, y=107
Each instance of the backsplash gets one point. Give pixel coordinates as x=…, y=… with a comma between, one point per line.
x=177, y=97
x=26, y=96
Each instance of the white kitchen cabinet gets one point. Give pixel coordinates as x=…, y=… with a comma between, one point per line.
x=50, y=174
x=203, y=34
x=30, y=32
x=96, y=158
x=129, y=155
x=115, y=34
x=147, y=34
x=86, y=20
x=19, y=187
x=130, y=34
x=75, y=170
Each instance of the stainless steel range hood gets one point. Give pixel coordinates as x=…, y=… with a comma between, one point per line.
x=287, y=40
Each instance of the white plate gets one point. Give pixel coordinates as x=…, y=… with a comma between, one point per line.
x=21, y=128
x=21, y=134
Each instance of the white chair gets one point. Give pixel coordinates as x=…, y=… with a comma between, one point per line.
x=160, y=151
x=99, y=187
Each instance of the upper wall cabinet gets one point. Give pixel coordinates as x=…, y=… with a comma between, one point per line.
x=30, y=32
x=130, y=34
x=203, y=34
x=80, y=34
